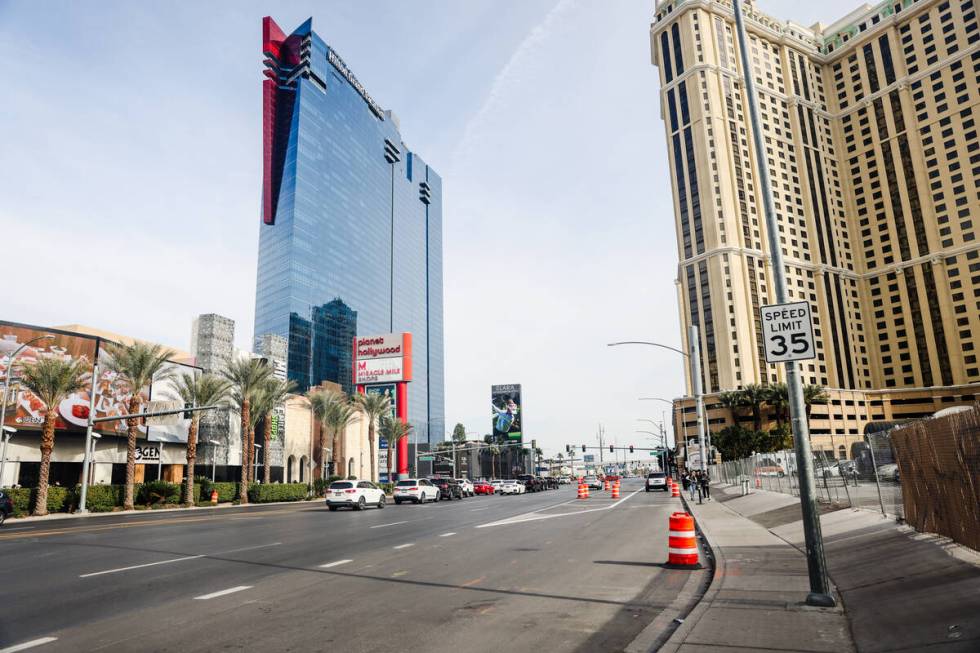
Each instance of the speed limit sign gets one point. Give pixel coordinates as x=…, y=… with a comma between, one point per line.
x=787, y=332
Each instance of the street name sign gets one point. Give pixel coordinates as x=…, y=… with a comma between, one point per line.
x=787, y=332
x=426, y=458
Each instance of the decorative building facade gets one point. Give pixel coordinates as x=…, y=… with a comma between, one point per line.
x=871, y=138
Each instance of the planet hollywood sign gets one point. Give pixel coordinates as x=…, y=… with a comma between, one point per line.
x=383, y=359
x=342, y=68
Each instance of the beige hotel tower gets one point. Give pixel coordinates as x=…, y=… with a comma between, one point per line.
x=871, y=132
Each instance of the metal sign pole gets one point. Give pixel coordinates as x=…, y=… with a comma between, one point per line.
x=819, y=586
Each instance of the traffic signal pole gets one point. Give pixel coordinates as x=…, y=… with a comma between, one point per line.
x=816, y=563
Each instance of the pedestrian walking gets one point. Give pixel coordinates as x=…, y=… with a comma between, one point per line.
x=692, y=486
x=704, y=487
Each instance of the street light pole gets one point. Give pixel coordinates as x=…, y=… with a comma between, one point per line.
x=214, y=457
x=86, y=461
x=816, y=563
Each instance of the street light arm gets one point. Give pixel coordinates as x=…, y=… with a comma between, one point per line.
x=655, y=399
x=651, y=344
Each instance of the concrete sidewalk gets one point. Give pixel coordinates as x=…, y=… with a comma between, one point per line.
x=755, y=601
x=900, y=590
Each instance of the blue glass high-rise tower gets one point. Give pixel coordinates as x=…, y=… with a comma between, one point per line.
x=351, y=234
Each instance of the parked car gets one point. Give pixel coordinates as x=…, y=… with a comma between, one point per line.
x=593, y=482
x=497, y=483
x=416, y=490
x=6, y=507
x=484, y=487
x=466, y=485
x=512, y=486
x=889, y=472
x=657, y=481
x=551, y=482
x=531, y=484
x=448, y=488
x=354, y=494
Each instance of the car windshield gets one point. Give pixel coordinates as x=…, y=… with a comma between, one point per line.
x=341, y=485
x=657, y=475
x=408, y=483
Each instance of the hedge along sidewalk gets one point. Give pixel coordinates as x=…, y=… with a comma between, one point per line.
x=144, y=511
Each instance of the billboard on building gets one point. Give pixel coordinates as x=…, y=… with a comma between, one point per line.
x=507, y=411
x=388, y=390
x=164, y=396
x=384, y=358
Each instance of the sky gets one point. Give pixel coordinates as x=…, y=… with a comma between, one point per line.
x=130, y=182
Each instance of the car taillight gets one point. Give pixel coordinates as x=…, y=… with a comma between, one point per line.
x=349, y=491
x=413, y=489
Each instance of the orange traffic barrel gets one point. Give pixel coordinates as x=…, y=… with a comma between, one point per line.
x=214, y=497
x=675, y=489
x=682, y=542
x=606, y=485
x=615, y=490
x=583, y=491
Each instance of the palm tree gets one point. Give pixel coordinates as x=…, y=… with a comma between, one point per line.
x=51, y=380
x=374, y=407
x=341, y=414
x=198, y=390
x=755, y=396
x=813, y=394
x=273, y=394
x=494, y=450
x=137, y=365
x=778, y=398
x=321, y=402
x=393, y=430
x=732, y=400
x=246, y=375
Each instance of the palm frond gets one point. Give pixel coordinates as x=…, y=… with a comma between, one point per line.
x=54, y=379
x=139, y=364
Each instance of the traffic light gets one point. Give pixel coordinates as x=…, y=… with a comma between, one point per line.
x=611, y=450
x=568, y=448
x=631, y=448
x=583, y=448
x=188, y=414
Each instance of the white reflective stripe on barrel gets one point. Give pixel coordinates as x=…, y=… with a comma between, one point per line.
x=681, y=534
x=674, y=551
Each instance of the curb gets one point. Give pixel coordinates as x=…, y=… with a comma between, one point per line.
x=664, y=632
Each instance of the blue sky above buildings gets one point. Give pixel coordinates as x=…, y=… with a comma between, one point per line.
x=130, y=180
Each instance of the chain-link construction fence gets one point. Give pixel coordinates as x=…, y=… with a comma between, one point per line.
x=926, y=472
x=870, y=480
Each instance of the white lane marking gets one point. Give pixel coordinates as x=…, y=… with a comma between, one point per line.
x=447, y=534
x=536, y=516
x=394, y=523
x=16, y=528
x=230, y=590
x=149, y=564
x=405, y=546
x=335, y=564
x=246, y=548
x=27, y=645
x=484, y=508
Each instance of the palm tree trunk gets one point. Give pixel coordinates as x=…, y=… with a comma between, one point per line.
x=132, y=431
x=243, y=486
x=335, y=454
x=266, y=439
x=47, y=445
x=191, y=457
x=391, y=453
x=319, y=453
x=372, y=473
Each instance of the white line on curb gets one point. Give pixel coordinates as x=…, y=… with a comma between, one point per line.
x=447, y=534
x=230, y=590
x=394, y=523
x=335, y=564
x=149, y=564
x=27, y=645
x=405, y=546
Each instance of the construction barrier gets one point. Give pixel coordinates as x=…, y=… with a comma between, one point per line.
x=583, y=491
x=682, y=543
x=675, y=489
x=606, y=488
x=615, y=490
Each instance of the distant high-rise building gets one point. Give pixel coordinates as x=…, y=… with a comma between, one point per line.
x=274, y=348
x=351, y=234
x=871, y=135
x=212, y=341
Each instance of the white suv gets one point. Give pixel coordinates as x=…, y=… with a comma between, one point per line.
x=466, y=485
x=416, y=490
x=355, y=494
x=511, y=486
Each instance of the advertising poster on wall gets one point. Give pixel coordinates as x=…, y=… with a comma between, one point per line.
x=507, y=411
x=25, y=411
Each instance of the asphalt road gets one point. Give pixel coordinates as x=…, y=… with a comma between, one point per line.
x=538, y=572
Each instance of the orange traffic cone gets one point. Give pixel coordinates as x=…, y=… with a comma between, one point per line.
x=615, y=490
x=675, y=489
x=214, y=497
x=682, y=544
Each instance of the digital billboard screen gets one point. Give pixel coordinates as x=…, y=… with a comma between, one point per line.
x=507, y=411
x=25, y=411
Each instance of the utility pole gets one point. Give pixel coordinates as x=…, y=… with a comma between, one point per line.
x=694, y=346
x=816, y=563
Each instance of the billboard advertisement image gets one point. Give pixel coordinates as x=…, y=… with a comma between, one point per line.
x=388, y=390
x=25, y=411
x=507, y=411
x=164, y=396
